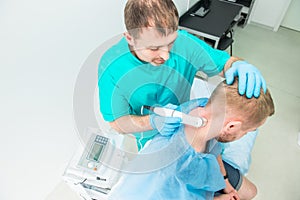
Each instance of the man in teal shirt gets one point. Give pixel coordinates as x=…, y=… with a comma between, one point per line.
x=155, y=64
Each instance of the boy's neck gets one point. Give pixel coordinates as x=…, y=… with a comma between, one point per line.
x=198, y=137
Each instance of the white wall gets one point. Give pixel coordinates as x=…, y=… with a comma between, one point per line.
x=269, y=12
x=292, y=17
x=183, y=5
x=43, y=45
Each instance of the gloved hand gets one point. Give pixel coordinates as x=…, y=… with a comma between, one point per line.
x=186, y=107
x=165, y=125
x=250, y=79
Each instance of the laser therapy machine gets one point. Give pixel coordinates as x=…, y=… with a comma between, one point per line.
x=95, y=167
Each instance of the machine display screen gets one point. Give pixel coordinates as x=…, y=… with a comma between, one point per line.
x=95, y=152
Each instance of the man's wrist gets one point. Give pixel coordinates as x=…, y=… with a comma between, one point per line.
x=225, y=177
x=151, y=121
x=229, y=63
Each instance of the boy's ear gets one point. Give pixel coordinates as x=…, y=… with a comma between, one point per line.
x=129, y=38
x=233, y=126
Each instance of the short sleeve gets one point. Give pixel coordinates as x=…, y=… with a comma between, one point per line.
x=113, y=103
x=202, y=56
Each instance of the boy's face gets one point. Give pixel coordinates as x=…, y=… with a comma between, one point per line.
x=232, y=137
x=238, y=133
x=225, y=128
x=152, y=47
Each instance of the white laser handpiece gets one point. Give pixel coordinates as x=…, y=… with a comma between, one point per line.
x=186, y=119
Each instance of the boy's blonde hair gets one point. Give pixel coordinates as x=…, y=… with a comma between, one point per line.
x=252, y=110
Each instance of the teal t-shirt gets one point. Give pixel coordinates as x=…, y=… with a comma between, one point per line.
x=126, y=83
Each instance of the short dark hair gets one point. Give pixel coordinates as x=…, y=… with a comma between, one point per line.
x=160, y=14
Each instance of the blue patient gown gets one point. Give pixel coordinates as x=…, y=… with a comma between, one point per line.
x=238, y=152
x=176, y=172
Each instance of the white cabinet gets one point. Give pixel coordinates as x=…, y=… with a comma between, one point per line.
x=269, y=12
x=291, y=19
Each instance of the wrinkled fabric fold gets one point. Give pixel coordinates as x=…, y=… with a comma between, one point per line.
x=188, y=175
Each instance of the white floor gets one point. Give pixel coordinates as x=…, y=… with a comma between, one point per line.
x=276, y=156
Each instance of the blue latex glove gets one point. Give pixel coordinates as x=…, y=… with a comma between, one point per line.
x=250, y=79
x=186, y=107
x=165, y=125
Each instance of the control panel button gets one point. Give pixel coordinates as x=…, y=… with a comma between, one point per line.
x=90, y=165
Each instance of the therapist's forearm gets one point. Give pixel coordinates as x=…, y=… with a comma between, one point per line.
x=228, y=187
x=131, y=124
x=221, y=164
